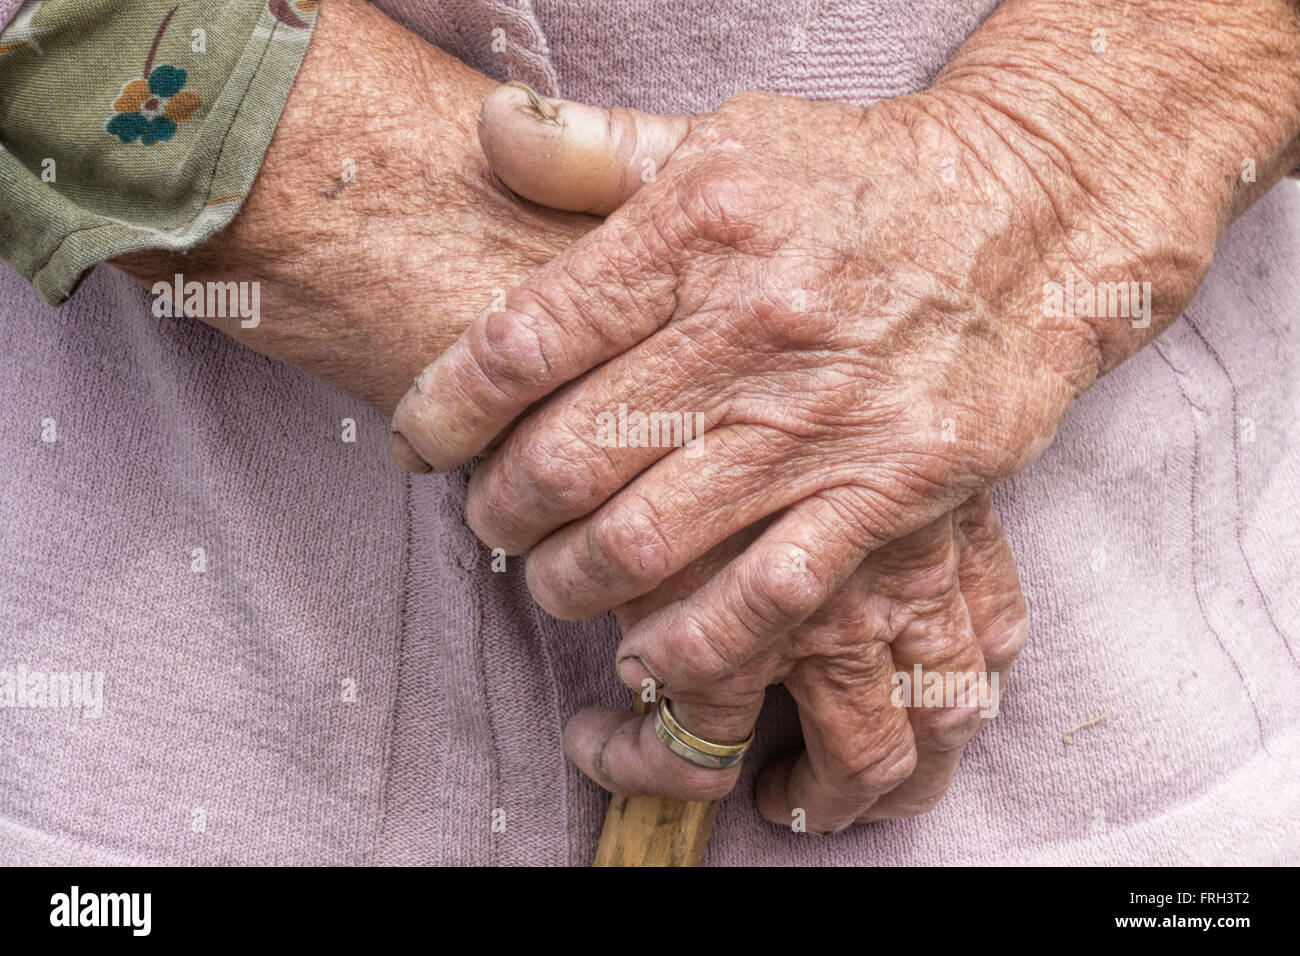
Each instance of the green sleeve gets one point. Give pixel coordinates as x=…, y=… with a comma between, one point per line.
x=135, y=124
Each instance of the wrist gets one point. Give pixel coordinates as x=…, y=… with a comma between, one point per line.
x=374, y=231
x=1169, y=116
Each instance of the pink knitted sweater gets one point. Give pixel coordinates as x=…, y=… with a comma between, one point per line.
x=347, y=682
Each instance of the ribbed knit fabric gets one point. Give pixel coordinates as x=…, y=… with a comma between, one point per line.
x=500, y=37
x=1157, y=541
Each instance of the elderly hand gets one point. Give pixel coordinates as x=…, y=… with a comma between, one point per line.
x=945, y=600
x=867, y=345
x=864, y=341
x=867, y=331
x=892, y=677
x=875, y=312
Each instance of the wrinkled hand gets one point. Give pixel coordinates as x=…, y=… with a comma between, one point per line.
x=864, y=341
x=939, y=609
x=838, y=664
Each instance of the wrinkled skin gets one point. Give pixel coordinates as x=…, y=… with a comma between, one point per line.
x=865, y=335
x=364, y=283
x=925, y=282
x=945, y=598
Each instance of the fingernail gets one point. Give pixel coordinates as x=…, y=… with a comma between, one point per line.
x=633, y=672
x=406, y=457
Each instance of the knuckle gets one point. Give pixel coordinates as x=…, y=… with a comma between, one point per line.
x=941, y=644
x=550, y=476
x=849, y=662
x=720, y=200
x=947, y=728
x=928, y=582
x=1006, y=637
x=514, y=353
x=628, y=542
x=793, y=320
x=874, y=771
x=782, y=590
x=697, y=659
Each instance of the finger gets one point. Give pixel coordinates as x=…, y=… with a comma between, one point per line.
x=999, y=622
x=688, y=580
x=577, y=311
x=990, y=585
x=577, y=449
x=664, y=520
x=610, y=290
x=857, y=744
x=937, y=660
x=623, y=753
x=861, y=743
x=572, y=156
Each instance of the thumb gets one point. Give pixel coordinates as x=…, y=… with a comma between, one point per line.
x=572, y=156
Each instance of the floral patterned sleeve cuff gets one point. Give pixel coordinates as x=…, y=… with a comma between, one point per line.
x=135, y=124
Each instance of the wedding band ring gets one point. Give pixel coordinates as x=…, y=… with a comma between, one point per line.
x=696, y=750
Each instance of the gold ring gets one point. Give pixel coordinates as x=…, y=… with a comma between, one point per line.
x=697, y=750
